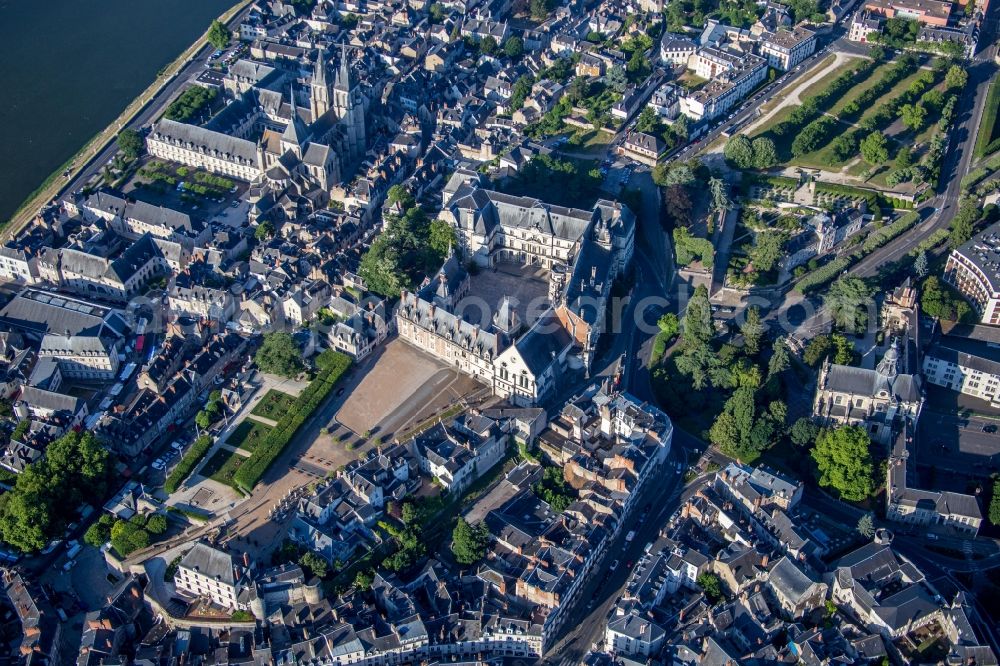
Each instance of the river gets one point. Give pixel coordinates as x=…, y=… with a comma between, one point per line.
x=69, y=67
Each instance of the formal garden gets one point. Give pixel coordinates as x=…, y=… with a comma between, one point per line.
x=879, y=122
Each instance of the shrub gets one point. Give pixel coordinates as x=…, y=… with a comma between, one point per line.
x=332, y=366
x=187, y=463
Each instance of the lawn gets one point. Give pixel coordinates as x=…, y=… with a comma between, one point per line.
x=824, y=82
x=691, y=81
x=248, y=434
x=857, y=90
x=273, y=405
x=780, y=97
x=895, y=92
x=222, y=466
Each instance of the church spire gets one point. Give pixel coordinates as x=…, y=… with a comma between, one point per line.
x=343, y=81
x=295, y=132
x=319, y=72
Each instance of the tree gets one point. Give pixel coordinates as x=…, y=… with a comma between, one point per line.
x=436, y=12
x=218, y=35
x=963, y=225
x=920, y=265
x=710, y=586
x=956, y=77
x=363, y=580
x=875, y=148
x=669, y=325
x=844, y=146
x=765, y=155
x=780, y=359
x=848, y=300
x=514, y=47
x=130, y=143
x=264, y=230
x=398, y=195
x=99, y=533
x=767, y=250
x=648, y=121
x=678, y=204
x=617, y=79
x=47, y=494
x=697, y=323
x=866, y=525
x=904, y=158
x=279, y=355
x=488, y=45
x=128, y=536
x=674, y=174
x=441, y=238
x=157, y=524
x=720, y=198
x=913, y=116
x=803, y=432
x=469, y=542
x=844, y=462
x=739, y=151
x=540, y=9
x=409, y=514
x=314, y=564
x=994, y=512
x=753, y=330
x=520, y=91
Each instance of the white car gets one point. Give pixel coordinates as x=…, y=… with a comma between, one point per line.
x=157, y=464
x=614, y=565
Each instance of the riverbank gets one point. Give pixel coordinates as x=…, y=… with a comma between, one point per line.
x=56, y=183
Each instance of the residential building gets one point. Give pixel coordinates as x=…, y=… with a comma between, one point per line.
x=786, y=48
x=974, y=270
x=206, y=572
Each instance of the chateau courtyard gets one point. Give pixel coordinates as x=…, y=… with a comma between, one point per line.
x=526, y=286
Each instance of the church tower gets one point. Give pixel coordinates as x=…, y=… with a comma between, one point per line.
x=349, y=108
x=319, y=90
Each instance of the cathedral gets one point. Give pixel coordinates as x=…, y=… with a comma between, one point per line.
x=293, y=148
x=316, y=148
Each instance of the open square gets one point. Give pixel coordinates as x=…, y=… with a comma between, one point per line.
x=388, y=385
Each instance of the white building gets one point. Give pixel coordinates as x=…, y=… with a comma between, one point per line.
x=205, y=572
x=974, y=269
x=784, y=49
x=731, y=77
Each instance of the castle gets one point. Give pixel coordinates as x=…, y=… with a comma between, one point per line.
x=584, y=252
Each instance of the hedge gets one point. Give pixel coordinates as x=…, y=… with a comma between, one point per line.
x=895, y=74
x=332, y=366
x=827, y=273
x=880, y=237
x=187, y=463
x=985, y=143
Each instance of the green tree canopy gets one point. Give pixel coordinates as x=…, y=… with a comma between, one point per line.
x=848, y=301
x=803, y=432
x=875, y=148
x=956, y=77
x=279, y=355
x=711, y=586
x=739, y=151
x=844, y=462
x=130, y=143
x=469, y=542
x=513, y=47
x=765, y=155
x=47, y=494
x=219, y=35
